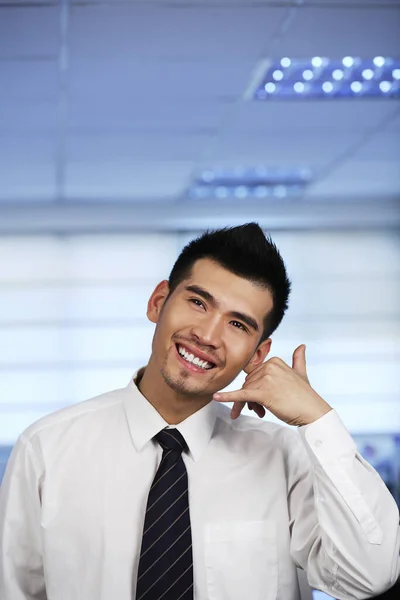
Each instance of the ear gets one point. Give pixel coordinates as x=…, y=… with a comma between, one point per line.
x=259, y=356
x=157, y=300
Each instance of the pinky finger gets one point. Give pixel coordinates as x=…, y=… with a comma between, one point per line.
x=257, y=408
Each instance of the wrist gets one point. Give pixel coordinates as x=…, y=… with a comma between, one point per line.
x=314, y=416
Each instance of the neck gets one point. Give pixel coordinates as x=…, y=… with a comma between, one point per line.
x=172, y=406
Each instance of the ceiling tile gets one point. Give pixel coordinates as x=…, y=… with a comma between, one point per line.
x=126, y=180
x=156, y=81
x=282, y=148
x=242, y=3
x=354, y=178
x=28, y=80
x=27, y=182
x=394, y=125
x=23, y=116
x=365, y=32
x=324, y=115
x=32, y=2
x=29, y=31
x=120, y=115
x=26, y=148
x=172, y=32
x=185, y=3
x=382, y=146
x=354, y=3
x=127, y=149
x=27, y=167
x=151, y=82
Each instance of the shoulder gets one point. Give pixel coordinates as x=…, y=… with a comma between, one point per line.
x=96, y=409
x=66, y=432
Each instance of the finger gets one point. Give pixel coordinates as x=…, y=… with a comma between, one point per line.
x=238, y=396
x=299, y=361
x=255, y=376
x=258, y=409
x=237, y=409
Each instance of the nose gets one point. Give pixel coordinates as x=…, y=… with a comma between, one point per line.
x=208, y=332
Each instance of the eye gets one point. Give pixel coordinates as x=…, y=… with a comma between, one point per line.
x=197, y=302
x=239, y=325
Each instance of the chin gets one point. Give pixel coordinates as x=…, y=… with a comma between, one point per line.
x=183, y=386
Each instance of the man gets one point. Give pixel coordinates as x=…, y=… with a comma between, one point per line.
x=156, y=491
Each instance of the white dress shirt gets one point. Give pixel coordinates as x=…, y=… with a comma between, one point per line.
x=264, y=499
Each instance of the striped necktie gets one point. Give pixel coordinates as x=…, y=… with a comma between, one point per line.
x=166, y=564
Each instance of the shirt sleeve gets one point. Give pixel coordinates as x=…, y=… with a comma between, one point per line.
x=21, y=564
x=344, y=522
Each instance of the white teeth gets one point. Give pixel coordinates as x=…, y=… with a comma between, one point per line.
x=193, y=359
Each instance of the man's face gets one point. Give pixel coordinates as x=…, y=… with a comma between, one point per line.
x=214, y=317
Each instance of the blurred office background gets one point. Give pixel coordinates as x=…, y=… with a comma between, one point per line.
x=128, y=127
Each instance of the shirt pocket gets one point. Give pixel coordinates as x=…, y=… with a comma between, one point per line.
x=241, y=560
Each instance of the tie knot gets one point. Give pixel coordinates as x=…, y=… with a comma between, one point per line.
x=171, y=439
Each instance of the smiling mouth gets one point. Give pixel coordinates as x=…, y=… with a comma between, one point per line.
x=193, y=359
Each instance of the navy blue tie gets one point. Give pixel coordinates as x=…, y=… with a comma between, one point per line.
x=166, y=563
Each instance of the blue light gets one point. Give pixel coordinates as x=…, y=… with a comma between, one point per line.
x=280, y=191
x=207, y=176
x=299, y=87
x=199, y=192
x=327, y=86
x=347, y=77
x=285, y=62
x=239, y=172
x=385, y=86
x=256, y=182
x=241, y=192
x=379, y=61
x=356, y=86
x=221, y=192
x=261, y=171
x=277, y=75
x=337, y=74
x=348, y=61
x=261, y=191
x=270, y=87
x=367, y=74
x=316, y=61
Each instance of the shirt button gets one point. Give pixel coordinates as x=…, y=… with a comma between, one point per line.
x=318, y=443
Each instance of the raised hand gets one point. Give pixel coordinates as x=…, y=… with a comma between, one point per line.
x=284, y=391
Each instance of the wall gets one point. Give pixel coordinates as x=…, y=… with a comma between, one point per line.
x=73, y=324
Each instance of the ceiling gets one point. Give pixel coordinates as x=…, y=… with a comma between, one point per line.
x=125, y=101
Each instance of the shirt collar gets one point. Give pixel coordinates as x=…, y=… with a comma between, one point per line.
x=145, y=421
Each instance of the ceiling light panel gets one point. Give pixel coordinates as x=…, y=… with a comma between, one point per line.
x=250, y=183
x=320, y=77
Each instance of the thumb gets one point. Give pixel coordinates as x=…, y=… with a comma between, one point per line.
x=299, y=361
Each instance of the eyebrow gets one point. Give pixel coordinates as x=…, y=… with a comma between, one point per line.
x=196, y=289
